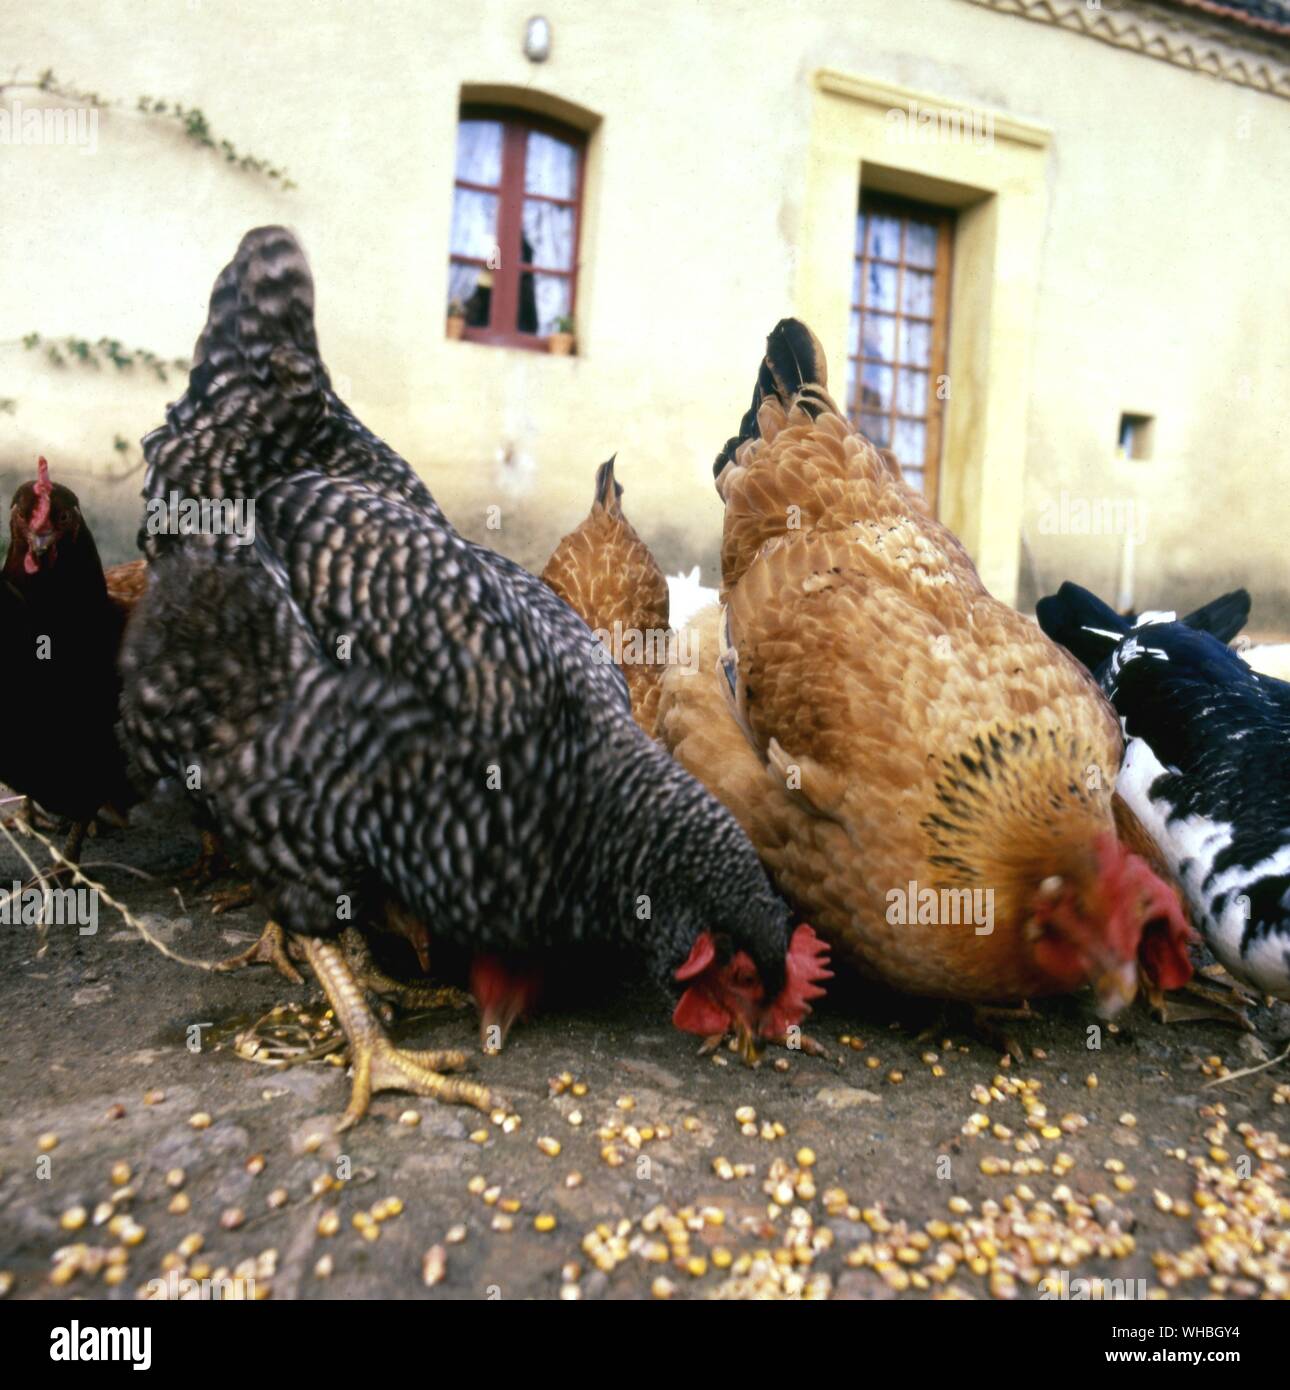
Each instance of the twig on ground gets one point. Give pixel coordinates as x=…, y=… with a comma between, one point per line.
x=78, y=877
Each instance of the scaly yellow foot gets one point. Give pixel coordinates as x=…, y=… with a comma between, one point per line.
x=379, y=1065
x=270, y=949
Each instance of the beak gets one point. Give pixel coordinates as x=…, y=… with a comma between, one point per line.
x=747, y=1044
x=1116, y=988
x=40, y=542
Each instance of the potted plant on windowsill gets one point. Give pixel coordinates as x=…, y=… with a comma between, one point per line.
x=561, y=341
x=456, y=318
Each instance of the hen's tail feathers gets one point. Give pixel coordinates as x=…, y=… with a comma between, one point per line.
x=1222, y=617
x=794, y=369
x=608, y=489
x=1088, y=628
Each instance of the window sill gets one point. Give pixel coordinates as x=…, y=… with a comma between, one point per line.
x=517, y=342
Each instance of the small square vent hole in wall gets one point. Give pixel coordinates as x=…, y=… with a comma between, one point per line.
x=1137, y=433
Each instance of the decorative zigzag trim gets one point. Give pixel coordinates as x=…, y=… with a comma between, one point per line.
x=1177, y=39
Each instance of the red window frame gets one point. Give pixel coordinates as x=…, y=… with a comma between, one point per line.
x=504, y=302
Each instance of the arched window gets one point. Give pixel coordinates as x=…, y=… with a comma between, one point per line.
x=515, y=215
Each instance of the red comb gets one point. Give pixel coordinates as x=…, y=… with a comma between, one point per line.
x=1157, y=930
x=1163, y=948
x=44, y=491
x=702, y=954
x=806, y=965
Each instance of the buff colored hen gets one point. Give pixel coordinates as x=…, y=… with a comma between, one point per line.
x=885, y=730
x=606, y=574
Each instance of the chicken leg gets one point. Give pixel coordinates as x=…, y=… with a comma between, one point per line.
x=408, y=996
x=270, y=949
x=378, y=1064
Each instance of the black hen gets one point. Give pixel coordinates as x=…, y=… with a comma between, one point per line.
x=391, y=724
x=62, y=632
x=1206, y=767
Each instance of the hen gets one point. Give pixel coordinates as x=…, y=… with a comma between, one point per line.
x=391, y=727
x=606, y=574
x=925, y=775
x=1206, y=770
x=62, y=627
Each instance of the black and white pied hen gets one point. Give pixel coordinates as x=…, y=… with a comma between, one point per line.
x=395, y=728
x=1206, y=766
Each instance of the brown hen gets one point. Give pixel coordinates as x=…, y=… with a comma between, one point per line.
x=606, y=574
x=926, y=775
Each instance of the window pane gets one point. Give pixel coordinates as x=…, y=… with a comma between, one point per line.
x=547, y=236
x=851, y=386
x=912, y=399
x=880, y=337
x=479, y=152
x=910, y=447
x=543, y=300
x=915, y=342
x=875, y=387
x=860, y=226
x=920, y=244
x=550, y=167
x=474, y=224
x=915, y=477
x=917, y=293
x=877, y=428
x=882, y=287
x=853, y=337
x=472, y=287
x=884, y=237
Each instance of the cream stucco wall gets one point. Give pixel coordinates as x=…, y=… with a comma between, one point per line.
x=1141, y=271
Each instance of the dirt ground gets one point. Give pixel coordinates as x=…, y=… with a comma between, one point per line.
x=909, y=1163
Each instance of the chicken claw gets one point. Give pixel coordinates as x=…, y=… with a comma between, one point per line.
x=270, y=949
x=230, y=899
x=750, y=1050
x=379, y=1065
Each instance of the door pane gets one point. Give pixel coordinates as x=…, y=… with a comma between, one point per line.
x=877, y=428
x=884, y=237
x=875, y=387
x=912, y=395
x=917, y=293
x=882, y=287
x=915, y=342
x=911, y=444
x=880, y=337
x=920, y=244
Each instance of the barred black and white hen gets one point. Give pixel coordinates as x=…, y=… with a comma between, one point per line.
x=394, y=727
x=1206, y=769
